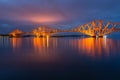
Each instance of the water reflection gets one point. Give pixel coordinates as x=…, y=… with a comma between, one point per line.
x=16, y=42
x=40, y=43
x=4, y=41
x=94, y=47
x=67, y=56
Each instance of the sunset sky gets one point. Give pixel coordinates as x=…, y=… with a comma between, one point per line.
x=25, y=14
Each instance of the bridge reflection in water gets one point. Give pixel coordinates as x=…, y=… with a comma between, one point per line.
x=93, y=47
x=16, y=42
x=41, y=43
x=96, y=46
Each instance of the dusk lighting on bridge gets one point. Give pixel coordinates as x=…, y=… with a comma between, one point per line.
x=98, y=28
x=59, y=39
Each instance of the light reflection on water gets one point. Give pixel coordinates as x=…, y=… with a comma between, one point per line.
x=64, y=57
x=96, y=46
x=16, y=42
x=93, y=47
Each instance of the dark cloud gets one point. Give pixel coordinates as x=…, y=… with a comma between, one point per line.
x=60, y=12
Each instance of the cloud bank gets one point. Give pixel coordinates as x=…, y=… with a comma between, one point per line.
x=69, y=12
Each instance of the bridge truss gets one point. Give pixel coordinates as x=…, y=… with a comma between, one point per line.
x=96, y=28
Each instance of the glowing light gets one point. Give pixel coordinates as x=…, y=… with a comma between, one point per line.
x=105, y=36
x=43, y=19
x=13, y=34
x=97, y=36
x=16, y=32
x=47, y=40
x=93, y=47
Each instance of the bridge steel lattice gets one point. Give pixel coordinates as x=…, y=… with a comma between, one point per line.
x=96, y=28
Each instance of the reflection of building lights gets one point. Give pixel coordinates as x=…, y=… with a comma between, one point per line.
x=105, y=36
x=105, y=39
x=47, y=40
x=96, y=37
x=41, y=42
x=16, y=42
x=94, y=47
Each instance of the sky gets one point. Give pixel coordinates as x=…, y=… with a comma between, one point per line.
x=27, y=14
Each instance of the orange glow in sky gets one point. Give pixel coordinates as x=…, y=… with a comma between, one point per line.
x=44, y=19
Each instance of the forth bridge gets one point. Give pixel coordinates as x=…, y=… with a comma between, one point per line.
x=97, y=28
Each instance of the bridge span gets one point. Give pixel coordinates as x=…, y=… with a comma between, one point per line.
x=95, y=28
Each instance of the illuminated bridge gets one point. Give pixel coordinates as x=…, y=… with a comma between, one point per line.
x=97, y=28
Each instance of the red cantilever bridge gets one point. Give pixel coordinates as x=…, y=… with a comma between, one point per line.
x=96, y=28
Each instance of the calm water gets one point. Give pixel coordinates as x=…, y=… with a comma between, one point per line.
x=59, y=58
